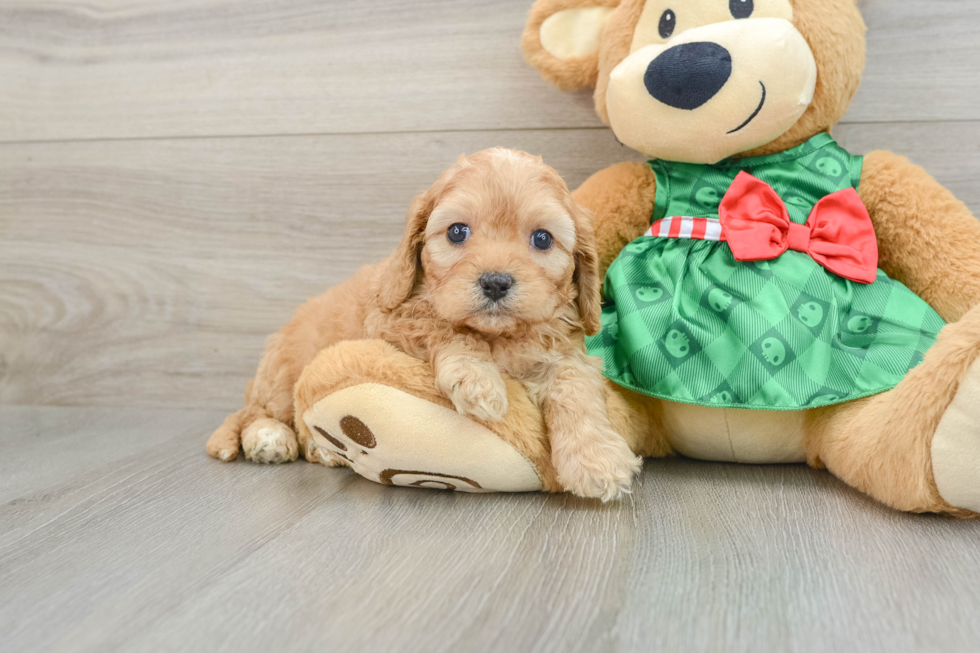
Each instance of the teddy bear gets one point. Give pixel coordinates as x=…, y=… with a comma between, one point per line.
x=768, y=296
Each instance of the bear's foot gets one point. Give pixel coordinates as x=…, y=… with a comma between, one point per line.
x=371, y=407
x=956, y=446
x=394, y=438
x=917, y=446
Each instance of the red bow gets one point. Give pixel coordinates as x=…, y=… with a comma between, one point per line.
x=838, y=234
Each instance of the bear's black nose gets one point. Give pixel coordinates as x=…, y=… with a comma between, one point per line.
x=495, y=284
x=688, y=75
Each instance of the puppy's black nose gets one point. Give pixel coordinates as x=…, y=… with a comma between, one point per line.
x=688, y=75
x=496, y=284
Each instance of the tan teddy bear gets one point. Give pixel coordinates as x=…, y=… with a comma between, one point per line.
x=769, y=297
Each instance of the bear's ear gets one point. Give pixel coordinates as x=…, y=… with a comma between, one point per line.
x=561, y=40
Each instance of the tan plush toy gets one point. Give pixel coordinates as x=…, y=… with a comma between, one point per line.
x=769, y=297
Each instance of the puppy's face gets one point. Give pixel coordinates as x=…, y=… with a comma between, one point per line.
x=499, y=246
x=497, y=241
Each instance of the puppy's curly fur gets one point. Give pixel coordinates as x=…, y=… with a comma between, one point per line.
x=431, y=298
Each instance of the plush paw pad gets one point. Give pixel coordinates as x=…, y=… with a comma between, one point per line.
x=391, y=437
x=269, y=441
x=956, y=446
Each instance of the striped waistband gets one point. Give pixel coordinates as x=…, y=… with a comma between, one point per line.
x=686, y=227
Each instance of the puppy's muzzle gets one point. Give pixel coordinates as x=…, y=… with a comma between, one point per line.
x=687, y=76
x=496, y=285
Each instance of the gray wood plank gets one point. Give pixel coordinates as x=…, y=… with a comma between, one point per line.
x=112, y=69
x=117, y=69
x=150, y=272
x=116, y=543
x=165, y=549
x=54, y=447
x=923, y=62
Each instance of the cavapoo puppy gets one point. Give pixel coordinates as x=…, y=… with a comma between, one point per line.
x=496, y=273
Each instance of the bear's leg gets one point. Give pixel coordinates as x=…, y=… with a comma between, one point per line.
x=916, y=447
x=376, y=409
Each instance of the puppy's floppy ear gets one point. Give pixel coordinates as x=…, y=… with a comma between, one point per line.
x=587, y=272
x=402, y=267
x=561, y=40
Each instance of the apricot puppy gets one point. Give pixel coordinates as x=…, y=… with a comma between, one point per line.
x=496, y=272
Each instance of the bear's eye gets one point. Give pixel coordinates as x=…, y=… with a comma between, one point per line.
x=458, y=233
x=668, y=22
x=542, y=240
x=741, y=8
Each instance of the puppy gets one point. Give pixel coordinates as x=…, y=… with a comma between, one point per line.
x=496, y=272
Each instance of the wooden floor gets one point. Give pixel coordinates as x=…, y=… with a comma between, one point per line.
x=176, y=177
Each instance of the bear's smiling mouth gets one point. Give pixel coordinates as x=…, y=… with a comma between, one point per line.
x=755, y=113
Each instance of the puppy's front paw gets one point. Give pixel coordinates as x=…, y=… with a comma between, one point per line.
x=475, y=388
x=602, y=469
x=269, y=441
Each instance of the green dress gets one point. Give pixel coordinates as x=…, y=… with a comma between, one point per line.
x=684, y=321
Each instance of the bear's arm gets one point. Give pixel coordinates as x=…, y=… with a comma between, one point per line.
x=927, y=239
x=621, y=198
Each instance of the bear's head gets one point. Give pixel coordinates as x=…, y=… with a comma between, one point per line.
x=702, y=80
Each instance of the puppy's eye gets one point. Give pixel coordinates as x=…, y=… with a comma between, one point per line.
x=542, y=240
x=458, y=233
x=741, y=8
x=667, y=23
